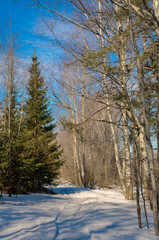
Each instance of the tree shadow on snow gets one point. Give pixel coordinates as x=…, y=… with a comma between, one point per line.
x=70, y=190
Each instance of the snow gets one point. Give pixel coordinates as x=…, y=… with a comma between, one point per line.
x=72, y=214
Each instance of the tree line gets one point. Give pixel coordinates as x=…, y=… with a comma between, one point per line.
x=109, y=93
x=30, y=156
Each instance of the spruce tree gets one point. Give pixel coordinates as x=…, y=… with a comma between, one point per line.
x=41, y=155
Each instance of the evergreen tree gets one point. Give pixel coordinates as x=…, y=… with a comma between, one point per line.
x=9, y=150
x=41, y=155
x=9, y=120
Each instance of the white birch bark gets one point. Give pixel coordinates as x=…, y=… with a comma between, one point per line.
x=122, y=62
x=113, y=131
x=156, y=11
x=83, y=160
x=74, y=120
x=147, y=129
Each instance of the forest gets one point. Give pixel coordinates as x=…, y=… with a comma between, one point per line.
x=93, y=118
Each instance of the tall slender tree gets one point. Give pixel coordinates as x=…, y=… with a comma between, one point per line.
x=41, y=155
x=9, y=119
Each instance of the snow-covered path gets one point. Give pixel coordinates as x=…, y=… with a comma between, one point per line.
x=72, y=214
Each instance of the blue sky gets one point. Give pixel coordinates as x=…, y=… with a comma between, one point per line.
x=26, y=22
x=23, y=21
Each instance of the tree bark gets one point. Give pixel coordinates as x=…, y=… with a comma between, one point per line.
x=147, y=128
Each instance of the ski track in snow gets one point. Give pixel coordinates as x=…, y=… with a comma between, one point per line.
x=72, y=214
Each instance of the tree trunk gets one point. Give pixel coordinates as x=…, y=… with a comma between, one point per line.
x=147, y=129
x=123, y=81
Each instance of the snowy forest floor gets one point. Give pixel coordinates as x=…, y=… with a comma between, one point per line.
x=72, y=214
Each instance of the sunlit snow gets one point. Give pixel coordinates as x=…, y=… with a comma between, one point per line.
x=72, y=214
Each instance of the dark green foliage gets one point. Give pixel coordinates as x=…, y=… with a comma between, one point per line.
x=41, y=152
x=29, y=154
x=9, y=150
